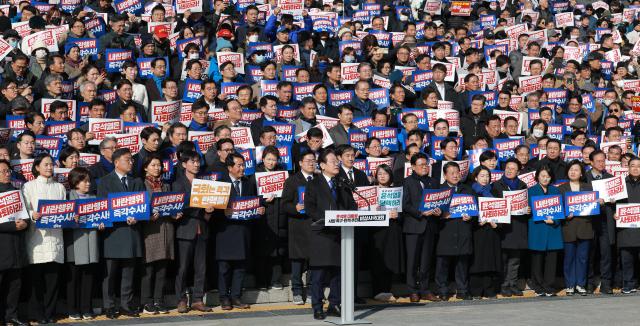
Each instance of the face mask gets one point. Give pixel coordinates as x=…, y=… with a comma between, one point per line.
x=253, y=38
x=355, y=7
x=349, y=58
x=574, y=37
x=607, y=102
x=538, y=133
x=41, y=53
x=260, y=59
x=194, y=56
x=404, y=18
x=13, y=43
x=493, y=6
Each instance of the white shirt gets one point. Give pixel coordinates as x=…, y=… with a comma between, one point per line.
x=233, y=180
x=346, y=171
x=120, y=176
x=440, y=88
x=306, y=176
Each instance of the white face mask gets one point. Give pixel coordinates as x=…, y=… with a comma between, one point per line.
x=349, y=58
x=607, y=102
x=537, y=133
x=41, y=53
x=253, y=38
x=404, y=18
x=194, y=56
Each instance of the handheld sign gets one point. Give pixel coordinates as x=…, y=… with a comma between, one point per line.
x=390, y=199
x=207, y=193
x=611, y=189
x=56, y=214
x=628, y=215
x=245, y=208
x=436, y=198
x=463, y=204
x=165, y=112
x=92, y=212
x=356, y=218
x=370, y=200
x=519, y=200
x=496, y=210
x=12, y=206
x=581, y=203
x=301, y=190
x=129, y=204
x=271, y=183
x=547, y=206
x=167, y=203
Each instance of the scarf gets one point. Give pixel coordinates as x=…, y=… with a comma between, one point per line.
x=109, y=166
x=511, y=183
x=198, y=127
x=484, y=191
x=155, y=183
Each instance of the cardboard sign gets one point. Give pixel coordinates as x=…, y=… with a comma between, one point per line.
x=530, y=84
x=128, y=6
x=165, y=112
x=463, y=205
x=12, y=206
x=103, y=127
x=56, y=214
x=349, y=73
x=611, y=189
x=236, y=58
x=356, y=218
x=519, y=200
x=271, y=183
x=92, y=212
x=547, y=206
x=5, y=49
x=581, y=203
x=46, y=38
x=129, y=204
x=245, y=208
x=370, y=200
x=496, y=210
x=115, y=58
x=390, y=199
x=436, y=198
x=207, y=193
x=241, y=137
x=628, y=215
x=460, y=8
x=167, y=203
x=191, y=5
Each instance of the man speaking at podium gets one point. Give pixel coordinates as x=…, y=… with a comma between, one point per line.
x=325, y=192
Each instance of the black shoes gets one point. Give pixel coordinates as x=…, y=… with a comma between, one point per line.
x=319, y=315
x=333, y=310
x=17, y=322
x=130, y=313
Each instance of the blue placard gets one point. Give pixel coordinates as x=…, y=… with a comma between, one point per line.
x=436, y=152
x=56, y=214
x=192, y=90
x=421, y=79
x=301, y=190
x=505, y=147
x=556, y=95
x=436, y=198
x=249, y=160
x=286, y=160
x=92, y=212
x=167, y=203
x=463, y=204
x=129, y=204
x=339, y=97
x=96, y=25
x=244, y=208
x=357, y=139
x=388, y=137
x=48, y=144
x=115, y=58
x=380, y=96
x=88, y=46
x=284, y=132
x=581, y=203
x=490, y=97
x=144, y=67
x=130, y=6
x=544, y=206
x=69, y=6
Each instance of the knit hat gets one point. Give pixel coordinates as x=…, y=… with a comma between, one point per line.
x=223, y=44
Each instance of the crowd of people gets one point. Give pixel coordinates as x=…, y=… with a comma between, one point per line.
x=484, y=97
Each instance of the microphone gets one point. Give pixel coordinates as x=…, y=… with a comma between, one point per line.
x=346, y=183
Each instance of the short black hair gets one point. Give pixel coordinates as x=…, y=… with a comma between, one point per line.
x=230, y=161
x=119, y=153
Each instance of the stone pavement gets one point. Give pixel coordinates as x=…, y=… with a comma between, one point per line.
x=591, y=310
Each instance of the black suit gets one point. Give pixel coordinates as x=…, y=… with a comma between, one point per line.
x=152, y=90
x=299, y=230
x=420, y=233
x=233, y=244
x=324, y=257
x=122, y=245
x=192, y=234
x=450, y=94
x=360, y=178
x=114, y=110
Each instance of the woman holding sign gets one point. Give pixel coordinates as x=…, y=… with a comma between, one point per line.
x=486, y=264
x=514, y=236
x=577, y=233
x=387, y=251
x=158, y=234
x=545, y=238
x=45, y=247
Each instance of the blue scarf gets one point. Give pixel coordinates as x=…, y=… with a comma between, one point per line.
x=511, y=183
x=483, y=191
x=109, y=166
x=198, y=127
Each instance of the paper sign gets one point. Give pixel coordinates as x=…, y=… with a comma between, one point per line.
x=436, y=198
x=167, y=203
x=611, y=189
x=55, y=214
x=390, y=199
x=547, y=206
x=496, y=210
x=12, y=206
x=245, y=208
x=519, y=200
x=463, y=205
x=207, y=193
x=129, y=204
x=271, y=183
x=628, y=215
x=582, y=203
x=370, y=200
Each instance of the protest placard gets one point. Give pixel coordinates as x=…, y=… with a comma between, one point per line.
x=129, y=204
x=496, y=210
x=207, y=193
x=167, y=203
x=92, y=212
x=236, y=58
x=461, y=205
x=390, y=198
x=241, y=137
x=271, y=183
x=366, y=198
x=611, y=189
x=56, y=214
x=12, y=206
x=581, y=203
x=245, y=208
x=436, y=198
x=628, y=215
x=519, y=200
x=190, y=5
x=165, y=112
x=547, y=206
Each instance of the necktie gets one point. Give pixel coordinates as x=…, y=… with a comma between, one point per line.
x=351, y=176
x=333, y=189
x=124, y=183
x=236, y=185
x=321, y=109
x=309, y=178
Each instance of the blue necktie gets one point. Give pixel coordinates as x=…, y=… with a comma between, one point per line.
x=333, y=189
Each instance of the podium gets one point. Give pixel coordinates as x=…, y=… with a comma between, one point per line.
x=347, y=221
